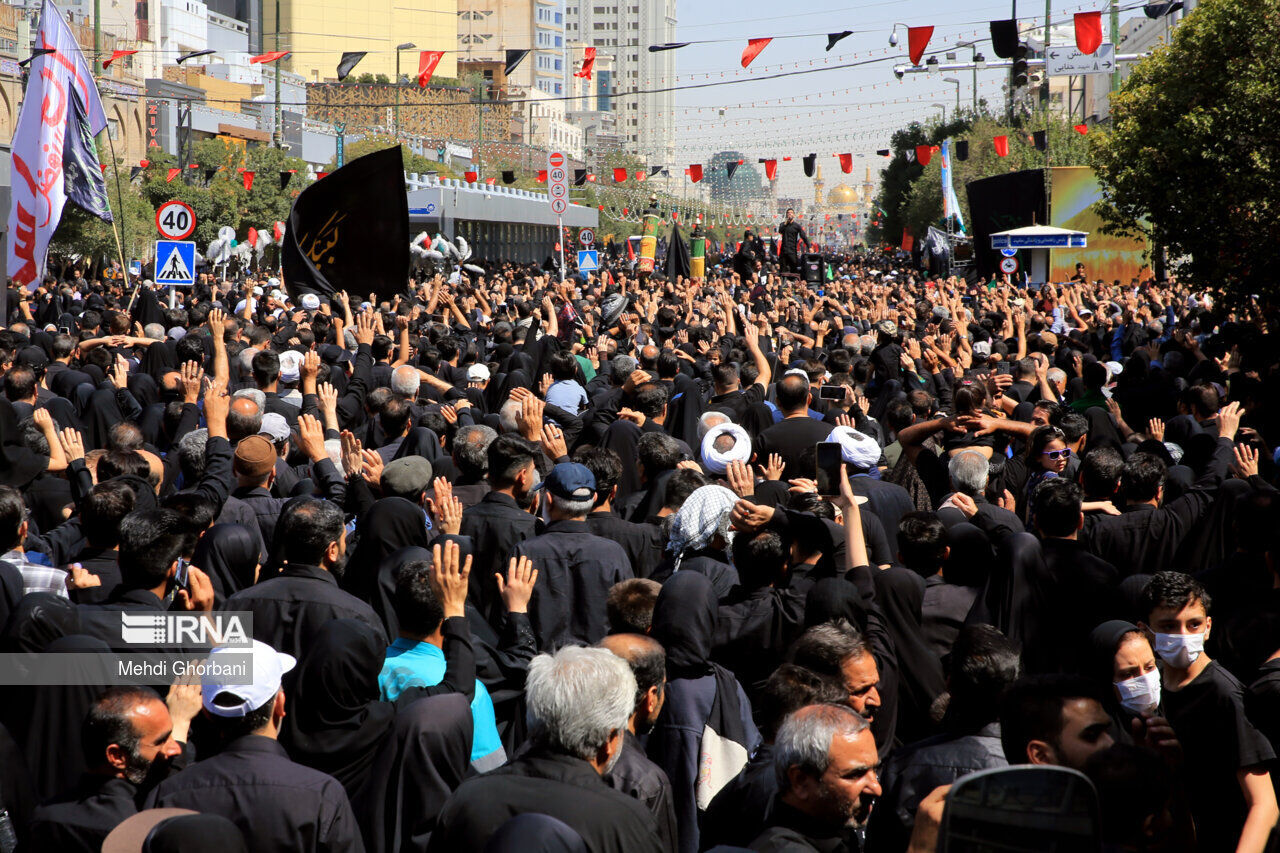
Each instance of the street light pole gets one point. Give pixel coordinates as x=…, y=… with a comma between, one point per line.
x=406, y=46
x=277, y=131
x=956, y=81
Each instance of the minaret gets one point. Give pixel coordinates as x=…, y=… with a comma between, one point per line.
x=817, y=188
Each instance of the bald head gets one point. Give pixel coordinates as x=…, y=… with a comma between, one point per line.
x=648, y=662
x=244, y=407
x=792, y=393
x=244, y=419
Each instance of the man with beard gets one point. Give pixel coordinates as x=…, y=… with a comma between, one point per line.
x=131, y=742
x=500, y=521
x=825, y=759
x=634, y=774
x=291, y=608
x=791, y=233
x=580, y=702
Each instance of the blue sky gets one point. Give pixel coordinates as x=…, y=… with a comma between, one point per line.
x=846, y=110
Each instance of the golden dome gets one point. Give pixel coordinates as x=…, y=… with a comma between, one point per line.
x=842, y=195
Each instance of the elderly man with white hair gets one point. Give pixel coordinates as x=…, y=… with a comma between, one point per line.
x=580, y=701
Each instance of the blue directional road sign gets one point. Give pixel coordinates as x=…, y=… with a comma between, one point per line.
x=588, y=260
x=175, y=262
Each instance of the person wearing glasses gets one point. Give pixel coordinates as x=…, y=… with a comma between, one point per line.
x=1047, y=458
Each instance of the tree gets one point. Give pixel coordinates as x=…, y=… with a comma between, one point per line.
x=413, y=162
x=91, y=241
x=1193, y=156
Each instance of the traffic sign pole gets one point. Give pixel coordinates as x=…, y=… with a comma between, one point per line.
x=557, y=192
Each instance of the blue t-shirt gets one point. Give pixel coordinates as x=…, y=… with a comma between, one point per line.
x=413, y=664
x=567, y=394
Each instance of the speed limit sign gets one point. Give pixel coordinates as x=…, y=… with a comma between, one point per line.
x=175, y=220
x=586, y=236
x=1009, y=265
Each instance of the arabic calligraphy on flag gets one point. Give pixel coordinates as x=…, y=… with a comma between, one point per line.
x=38, y=177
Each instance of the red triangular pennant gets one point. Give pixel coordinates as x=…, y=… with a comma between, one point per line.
x=1002, y=145
x=846, y=163
x=752, y=50
x=924, y=153
x=641, y=175
x=588, y=62
x=917, y=41
x=542, y=176
x=117, y=54
x=173, y=173
x=248, y=180
x=427, y=62
x=1082, y=129
x=471, y=177
x=269, y=57
x=619, y=175
x=771, y=169
x=1088, y=31
x=695, y=172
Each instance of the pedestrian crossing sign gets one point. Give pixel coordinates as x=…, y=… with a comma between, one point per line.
x=175, y=262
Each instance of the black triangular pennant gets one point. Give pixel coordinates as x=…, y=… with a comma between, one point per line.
x=579, y=177
x=729, y=169
x=1004, y=38
x=508, y=176
x=810, y=163
x=133, y=173
x=883, y=152
x=962, y=149
x=514, y=58
x=653, y=170
x=1040, y=139
x=208, y=174
x=284, y=179
x=1159, y=10
x=671, y=45
x=834, y=38
x=350, y=59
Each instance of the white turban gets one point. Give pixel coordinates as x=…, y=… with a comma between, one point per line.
x=717, y=461
x=858, y=449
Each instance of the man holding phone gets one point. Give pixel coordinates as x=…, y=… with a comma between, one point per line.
x=796, y=432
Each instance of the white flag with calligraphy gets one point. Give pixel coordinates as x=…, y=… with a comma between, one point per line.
x=39, y=181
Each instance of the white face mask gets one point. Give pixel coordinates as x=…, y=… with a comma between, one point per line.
x=1180, y=650
x=1140, y=694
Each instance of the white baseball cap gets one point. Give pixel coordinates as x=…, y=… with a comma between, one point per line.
x=274, y=427
x=290, y=365
x=223, y=699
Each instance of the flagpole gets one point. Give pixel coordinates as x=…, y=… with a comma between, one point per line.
x=124, y=266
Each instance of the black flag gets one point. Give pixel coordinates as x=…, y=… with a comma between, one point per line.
x=84, y=182
x=1040, y=139
x=962, y=149
x=38, y=52
x=1004, y=38
x=883, y=152
x=208, y=175
x=284, y=179
x=1159, y=10
x=133, y=172
x=834, y=38
x=579, y=177
x=671, y=45
x=514, y=58
x=349, y=60
x=729, y=169
x=508, y=176
x=677, y=263
x=351, y=230
x=653, y=170
x=810, y=161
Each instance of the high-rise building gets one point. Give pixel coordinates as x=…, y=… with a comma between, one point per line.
x=487, y=29
x=623, y=30
x=318, y=31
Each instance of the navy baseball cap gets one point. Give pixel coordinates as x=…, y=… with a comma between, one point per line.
x=570, y=481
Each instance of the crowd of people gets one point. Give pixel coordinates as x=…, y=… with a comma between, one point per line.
x=610, y=564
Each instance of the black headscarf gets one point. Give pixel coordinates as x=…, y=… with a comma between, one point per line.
x=684, y=622
x=18, y=465
x=228, y=554
x=38, y=620
x=900, y=594
x=56, y=713
x=420, y=441
x=196, y=833
x=419, y=765
x=391, y=524
x=1014, y=598
x=834, y=598
x=535, y=833
x=1104, y=640
x=338, y=722
x=971, y=556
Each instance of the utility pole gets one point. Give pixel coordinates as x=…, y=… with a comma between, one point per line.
x=1018, y=31
x=1115, y=40
x=479, y=152
x=97, y=38
x=1044, y=90
x=277, y=133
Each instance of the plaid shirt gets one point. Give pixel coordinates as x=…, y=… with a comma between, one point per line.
x=35, y=577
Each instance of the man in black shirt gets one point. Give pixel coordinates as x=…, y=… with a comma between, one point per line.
x=825, y=759
x=1233, y=802
x=277, y=804
x=634, y=774
x=791, y=233
x=131, y=740
x=796, y=432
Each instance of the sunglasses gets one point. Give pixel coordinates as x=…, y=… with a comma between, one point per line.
x=1057, y=454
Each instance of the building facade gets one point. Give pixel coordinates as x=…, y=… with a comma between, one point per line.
x=622, y=31
x=487, y=29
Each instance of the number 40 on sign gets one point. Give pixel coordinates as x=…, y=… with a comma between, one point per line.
x=175, y=220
